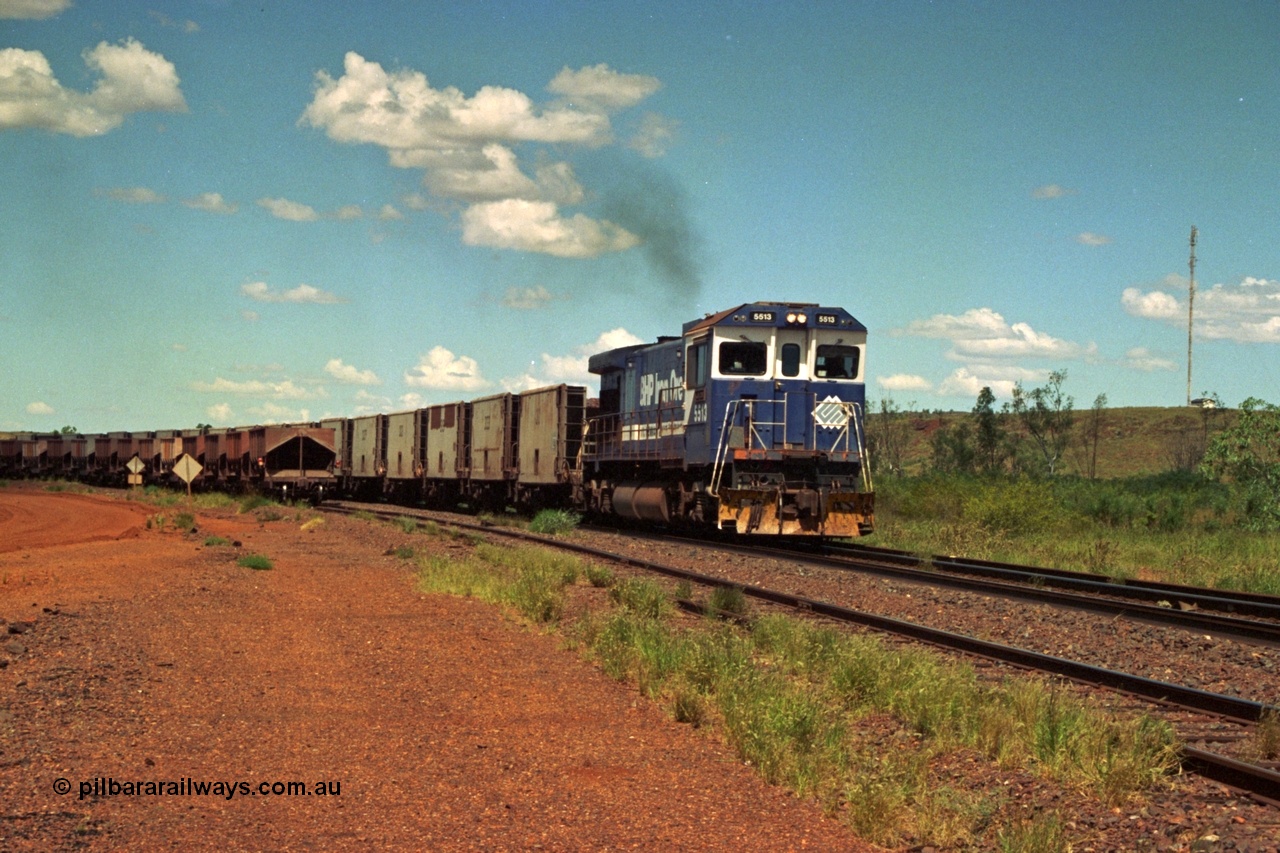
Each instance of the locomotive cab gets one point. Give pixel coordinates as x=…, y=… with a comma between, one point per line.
x=751, y=420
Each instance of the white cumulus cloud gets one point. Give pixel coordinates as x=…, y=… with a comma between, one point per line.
x=603, y=88
x=33, y=9
x=220, y=413
x=573, y=367
x=984, y=333
x=132, y=79
x=260, y=291
x=538, y=226
x=1140, y=358
x=440, y=369
x=964, y=383
x=294, y=211
x=211, y=203
x=132, y=195
x=284, y=390
x=904, y=382
x=466, y=147
x=1248, y=312
x=349, y=375
x=39, y=407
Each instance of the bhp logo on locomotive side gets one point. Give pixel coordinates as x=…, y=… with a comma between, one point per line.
x=652, y=388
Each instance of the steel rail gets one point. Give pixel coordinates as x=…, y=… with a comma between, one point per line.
x=1242, y=603
x=1258, y=781
x=1102, y=599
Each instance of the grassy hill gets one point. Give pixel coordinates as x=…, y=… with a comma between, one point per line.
x=1131, y=441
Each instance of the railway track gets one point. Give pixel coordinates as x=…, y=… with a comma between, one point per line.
x=1245, y=617
x=1261, y=782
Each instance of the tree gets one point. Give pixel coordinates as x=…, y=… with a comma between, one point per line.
x=1093, y=435
x=1045, y=413
x=68, y=430
x=1248, y=454
x=887, y=436
x=953, y=451
x=991, y=442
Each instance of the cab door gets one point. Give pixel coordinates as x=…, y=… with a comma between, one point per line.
x=791, y=382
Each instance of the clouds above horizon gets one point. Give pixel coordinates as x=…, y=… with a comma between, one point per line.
x=441, y=370
x=132, y=80
x=466, y=147
x=992, y=349
x=1248, y=312
x=260, y=291
x=349, y=375
x=32, y=9
x=984, y=334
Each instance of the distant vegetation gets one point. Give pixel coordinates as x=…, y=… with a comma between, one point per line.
x=1187, y=494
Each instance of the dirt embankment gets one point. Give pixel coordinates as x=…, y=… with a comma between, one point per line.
x=150, y=662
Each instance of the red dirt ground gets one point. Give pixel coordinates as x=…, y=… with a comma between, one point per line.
x=137, y=656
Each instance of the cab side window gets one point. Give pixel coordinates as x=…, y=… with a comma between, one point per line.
x=744, y=358
x=696, y=367
x=836, y=362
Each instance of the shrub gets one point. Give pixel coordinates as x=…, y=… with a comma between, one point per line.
x=728, y=599
x=599, y=576
x=252, y=502
x=1023, y=505
x=257, y=562
x=553, y=522
x=641, y=596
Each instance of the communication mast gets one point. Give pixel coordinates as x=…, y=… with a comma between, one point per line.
x=1191, y=309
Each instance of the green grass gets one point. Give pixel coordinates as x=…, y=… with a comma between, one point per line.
x=216, y=541
x=1176, y=528
x=799, y=703
x=728, y=599
x=554, y=522
x=257, y=562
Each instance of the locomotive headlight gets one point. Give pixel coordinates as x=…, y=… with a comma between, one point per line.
x=802, y=319
x=791, y=318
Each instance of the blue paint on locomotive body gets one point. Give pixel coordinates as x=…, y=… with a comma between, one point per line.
x=774, y=381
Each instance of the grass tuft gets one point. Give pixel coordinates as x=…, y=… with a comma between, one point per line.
x=554, y=522
x=257, y=562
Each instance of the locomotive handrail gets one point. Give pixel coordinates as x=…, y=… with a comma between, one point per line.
x=750, y=430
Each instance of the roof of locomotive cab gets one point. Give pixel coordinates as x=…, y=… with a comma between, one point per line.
x=742, y=316
x=616, y=359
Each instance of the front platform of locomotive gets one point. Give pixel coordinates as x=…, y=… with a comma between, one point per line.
x=775, y=396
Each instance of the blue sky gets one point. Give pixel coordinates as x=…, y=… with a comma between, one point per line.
x=233, y=213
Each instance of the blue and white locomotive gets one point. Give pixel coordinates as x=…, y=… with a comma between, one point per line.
x=751, y=420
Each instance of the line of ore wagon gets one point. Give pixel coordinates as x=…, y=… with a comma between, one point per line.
x=751, y=419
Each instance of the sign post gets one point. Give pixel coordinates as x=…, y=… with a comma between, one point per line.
x=135, y=466
x=188, y=469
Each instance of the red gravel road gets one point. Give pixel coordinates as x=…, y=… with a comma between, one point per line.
x=143, y=659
